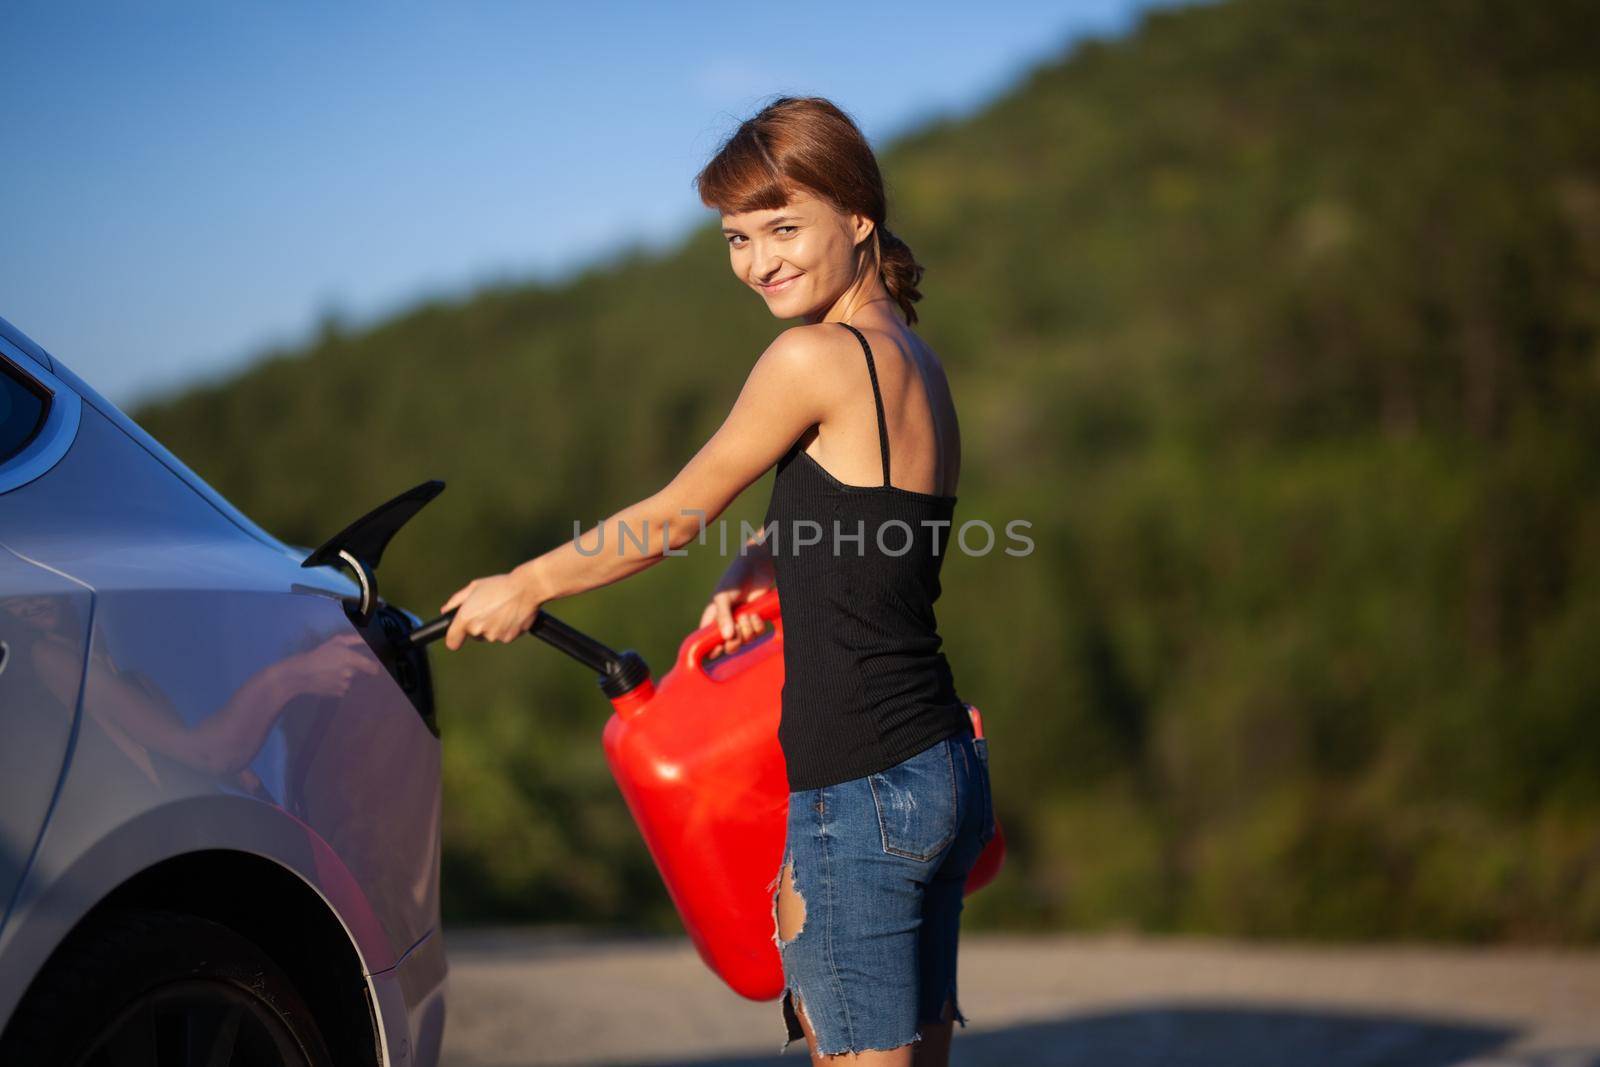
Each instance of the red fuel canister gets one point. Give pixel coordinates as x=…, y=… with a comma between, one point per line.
x=697, y=760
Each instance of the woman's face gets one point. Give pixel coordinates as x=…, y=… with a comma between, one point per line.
x=801, y=257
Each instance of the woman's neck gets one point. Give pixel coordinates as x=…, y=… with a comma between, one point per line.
x=854, y=299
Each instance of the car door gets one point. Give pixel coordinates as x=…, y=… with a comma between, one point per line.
x=44, y=626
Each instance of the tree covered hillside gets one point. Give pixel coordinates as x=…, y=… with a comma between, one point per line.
x=1276, y=319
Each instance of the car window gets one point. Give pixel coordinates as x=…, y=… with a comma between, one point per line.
x=23, y=407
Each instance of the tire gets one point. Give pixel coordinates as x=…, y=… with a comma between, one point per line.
x=165, y=989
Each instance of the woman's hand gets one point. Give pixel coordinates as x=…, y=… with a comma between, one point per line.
x=499, y=607
x=746, y=578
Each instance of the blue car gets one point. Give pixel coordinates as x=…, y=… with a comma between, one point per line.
x=219, y=764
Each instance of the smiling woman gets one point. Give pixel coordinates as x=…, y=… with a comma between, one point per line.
x=827, y=165
x=889, y=789
x=889, y=803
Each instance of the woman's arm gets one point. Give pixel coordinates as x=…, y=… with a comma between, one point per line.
x=765, y=421
x=786, y=392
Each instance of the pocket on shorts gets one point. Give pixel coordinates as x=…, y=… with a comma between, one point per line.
x=981, y=744
x=916, y=803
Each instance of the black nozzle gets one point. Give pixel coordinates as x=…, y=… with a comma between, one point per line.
x=629, y=672
x=620, y=673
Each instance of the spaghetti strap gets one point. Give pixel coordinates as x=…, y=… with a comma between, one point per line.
x=877, y=398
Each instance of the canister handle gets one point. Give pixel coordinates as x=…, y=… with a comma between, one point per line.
x=698, y=644
x=977, y=721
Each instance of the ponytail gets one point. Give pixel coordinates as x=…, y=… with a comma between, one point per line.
x=899, y=270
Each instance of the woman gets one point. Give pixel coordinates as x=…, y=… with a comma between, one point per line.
x=889, y=804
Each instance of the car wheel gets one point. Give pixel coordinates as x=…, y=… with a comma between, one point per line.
x=164, y=989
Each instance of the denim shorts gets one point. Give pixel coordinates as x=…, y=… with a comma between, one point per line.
x=881, y=864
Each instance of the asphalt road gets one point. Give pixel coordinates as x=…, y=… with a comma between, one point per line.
x=523, y=997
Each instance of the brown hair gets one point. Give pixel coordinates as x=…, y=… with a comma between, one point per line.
x=808, y=143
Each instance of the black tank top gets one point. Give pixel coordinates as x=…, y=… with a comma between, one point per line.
x=865, y=683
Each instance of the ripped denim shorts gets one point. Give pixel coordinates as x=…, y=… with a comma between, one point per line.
x=880, y=865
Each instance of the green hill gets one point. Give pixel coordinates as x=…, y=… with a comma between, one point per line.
x=1277, y=320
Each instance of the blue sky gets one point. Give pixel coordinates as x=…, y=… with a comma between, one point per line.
x=188, y=183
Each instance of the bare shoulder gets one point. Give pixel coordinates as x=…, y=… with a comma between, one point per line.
x=814, y=343
x=811, y=353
